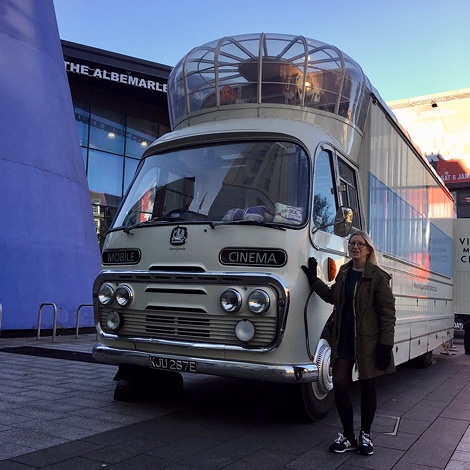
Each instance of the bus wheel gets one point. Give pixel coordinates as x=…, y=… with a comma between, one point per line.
x=124, y=391
x=315, y=399
x=167, y=383
x=135, y=382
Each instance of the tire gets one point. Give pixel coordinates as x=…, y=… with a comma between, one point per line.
x=124, y=391
x=314, y=400
x=138, y=382
x=167, y=383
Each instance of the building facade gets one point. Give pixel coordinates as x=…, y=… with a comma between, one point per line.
x=120, y=106
x=440, y=125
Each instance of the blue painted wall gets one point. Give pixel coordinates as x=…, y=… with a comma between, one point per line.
x=48, y=245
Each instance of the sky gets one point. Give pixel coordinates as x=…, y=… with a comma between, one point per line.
x=407, y=48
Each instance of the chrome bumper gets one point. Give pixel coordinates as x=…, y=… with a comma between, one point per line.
x=298, y=373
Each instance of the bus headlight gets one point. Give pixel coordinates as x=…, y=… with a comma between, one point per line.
x=259, y=301
x=231, y=300
x=106, y=294
x=124, y=295
x=244, y=330
x=113, y=320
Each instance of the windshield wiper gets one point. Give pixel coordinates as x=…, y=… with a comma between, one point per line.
x=249, y=222
x=150, y=222
x=157, y=220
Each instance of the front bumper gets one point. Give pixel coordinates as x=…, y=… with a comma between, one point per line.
x=291, y=373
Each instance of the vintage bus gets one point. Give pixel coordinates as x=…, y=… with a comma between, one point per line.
x=279, y=143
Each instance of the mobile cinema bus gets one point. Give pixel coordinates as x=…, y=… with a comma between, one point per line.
x=278, y=143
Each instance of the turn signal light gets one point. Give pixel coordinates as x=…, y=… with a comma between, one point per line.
x=332, y=270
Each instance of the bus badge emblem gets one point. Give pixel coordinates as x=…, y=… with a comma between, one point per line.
x=179, y=235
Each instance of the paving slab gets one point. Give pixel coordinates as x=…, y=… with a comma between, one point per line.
x=57, y=412
x=437, y=444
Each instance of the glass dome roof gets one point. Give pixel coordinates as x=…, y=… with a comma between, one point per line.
x=258, y=69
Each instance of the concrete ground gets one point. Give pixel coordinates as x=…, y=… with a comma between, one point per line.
x=59, y=413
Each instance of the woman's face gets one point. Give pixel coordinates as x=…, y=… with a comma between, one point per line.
x=358, y=249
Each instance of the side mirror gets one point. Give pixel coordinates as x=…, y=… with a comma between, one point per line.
x=342, y=224
x=343, y=221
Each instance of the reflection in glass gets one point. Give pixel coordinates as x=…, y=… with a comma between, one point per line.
x=107, y=130
x=269, y=68
x=109, y=173
x=349, y=190
x=82, y=119
x=105, y=173
x=139, y=135
x=264, y=182
x=84, y=155
x=404, y=232
x=324, y=205
x=130, y=165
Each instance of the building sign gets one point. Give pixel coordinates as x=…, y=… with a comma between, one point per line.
x=451, y=171
x=123, y=78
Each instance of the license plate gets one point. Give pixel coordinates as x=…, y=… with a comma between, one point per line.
x=177, y=365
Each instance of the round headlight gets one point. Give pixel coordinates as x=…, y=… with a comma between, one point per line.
x=231, y=300
x=113, y=320
x=106, y=294
x=244, y=330
x=259, y=301
x=124, y=295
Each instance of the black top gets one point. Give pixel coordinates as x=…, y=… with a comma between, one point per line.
x=346, y=342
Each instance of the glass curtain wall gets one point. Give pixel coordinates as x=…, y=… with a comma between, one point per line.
x=112, y=144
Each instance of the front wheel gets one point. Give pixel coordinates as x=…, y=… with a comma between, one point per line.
x=314, y=400
x=137, y=382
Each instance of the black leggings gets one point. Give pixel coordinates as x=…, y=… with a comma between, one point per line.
x=342, y=382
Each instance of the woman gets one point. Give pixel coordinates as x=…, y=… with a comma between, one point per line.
x=362, y=335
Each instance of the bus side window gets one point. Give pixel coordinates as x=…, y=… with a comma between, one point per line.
x=348, y=190
x=324, y=204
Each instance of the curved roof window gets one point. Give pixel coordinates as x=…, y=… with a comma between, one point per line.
x=280, y=69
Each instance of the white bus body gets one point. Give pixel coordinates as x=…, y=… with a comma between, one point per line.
x=272, y=134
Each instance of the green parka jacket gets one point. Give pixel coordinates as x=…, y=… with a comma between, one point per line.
x=374, y=315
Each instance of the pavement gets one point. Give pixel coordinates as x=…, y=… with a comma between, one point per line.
x=57, y=412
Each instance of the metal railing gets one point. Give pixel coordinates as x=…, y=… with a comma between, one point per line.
x=54, y=327
x=78, y=317
x=57, y=310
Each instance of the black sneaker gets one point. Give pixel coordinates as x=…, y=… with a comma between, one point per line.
x=343, y=444
x=365, y=444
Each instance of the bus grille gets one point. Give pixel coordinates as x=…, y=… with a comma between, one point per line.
x=205, y=328
x=185, y=307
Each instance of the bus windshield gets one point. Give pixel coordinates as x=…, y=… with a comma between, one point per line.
x=259, y=181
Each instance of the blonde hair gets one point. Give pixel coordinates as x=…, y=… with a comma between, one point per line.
x=372, y=256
